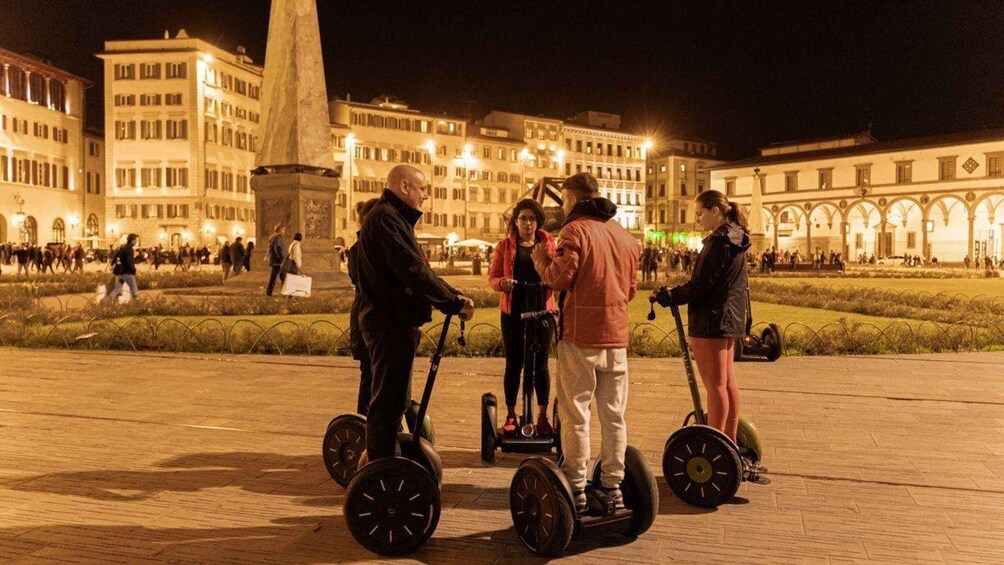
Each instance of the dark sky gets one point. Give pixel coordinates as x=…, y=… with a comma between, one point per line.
x=743, y=74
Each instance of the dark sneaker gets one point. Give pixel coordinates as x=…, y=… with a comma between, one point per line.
x=543, y=426
x=615, y=496
x=581, y=503
x=510, y=425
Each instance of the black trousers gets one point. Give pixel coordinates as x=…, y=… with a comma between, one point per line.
x=392, y=354
x=365, y=382
x=516, y=358
x=276, y=272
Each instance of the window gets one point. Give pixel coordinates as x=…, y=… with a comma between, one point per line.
x=149, y=70
x=730, y=187
x=683, y=216
x=589, y=147
x=791, y=181
x=177, y=129
x=177, y=177
x=486, y=152
x=662, y=189
x=149, y=100
x=125, y=100
x=911, y=240
x=125, y=72
x=151, y=129
x=904, y=172
x=825, y=179
x=946, y=168
x=863, y=175
x=994, y=164
x=176, y=70
x=150, y=177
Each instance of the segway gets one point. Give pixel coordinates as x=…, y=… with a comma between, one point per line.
x=525, y=438
x=769, y=345
x=345, y=441
x=392, y=505
x=543, y=505
x=702, y=465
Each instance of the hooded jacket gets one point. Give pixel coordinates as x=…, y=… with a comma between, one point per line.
x=595, y=266
x=718, y=290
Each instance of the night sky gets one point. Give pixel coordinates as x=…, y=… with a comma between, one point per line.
x=742, y=74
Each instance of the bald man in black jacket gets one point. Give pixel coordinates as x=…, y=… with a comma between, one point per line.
x=397, y=292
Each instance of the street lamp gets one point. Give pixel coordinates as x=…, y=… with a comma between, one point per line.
x=19, y=215
x=430, y=146
x=350, y=148
x=467, y=159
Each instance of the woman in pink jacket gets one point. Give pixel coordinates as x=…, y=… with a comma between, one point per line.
x=511, y=263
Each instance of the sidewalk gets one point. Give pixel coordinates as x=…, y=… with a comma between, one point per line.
x=127, y=458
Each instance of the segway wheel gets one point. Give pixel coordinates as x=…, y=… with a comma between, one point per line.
x=701, y=466
x=542, y=514
x=748, y=439
x=426, y=431
x=344, y=443
x=392, y=506
x=773, y=341
x=639, y=488
x=489, y=429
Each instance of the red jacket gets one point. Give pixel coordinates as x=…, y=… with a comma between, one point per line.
x=501, y=268
x=596, y=263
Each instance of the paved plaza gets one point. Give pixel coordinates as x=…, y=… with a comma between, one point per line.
x=147, y=458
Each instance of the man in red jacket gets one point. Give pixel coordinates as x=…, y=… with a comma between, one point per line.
x=595, y=268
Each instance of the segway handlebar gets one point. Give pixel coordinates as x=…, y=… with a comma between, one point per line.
x=538, y=315
x=529, y=285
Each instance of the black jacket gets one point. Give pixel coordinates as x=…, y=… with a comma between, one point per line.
x=237, y=253
x=125, y=261
x=396, y=287
x=718, y=290
x=356, y=344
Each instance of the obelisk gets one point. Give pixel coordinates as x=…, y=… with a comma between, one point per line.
x=294, y=180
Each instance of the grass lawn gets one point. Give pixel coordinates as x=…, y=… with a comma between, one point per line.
x=968, y=287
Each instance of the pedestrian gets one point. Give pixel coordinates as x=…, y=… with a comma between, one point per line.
x=22, y=254
x=511, y=263
x=224, y=255
x=594, y=267
x=718, y=299
x=247, y=255
x=295, y=255
x=356, y=343
x=397, y=291
x=276, y=254
x=78, y=259
x=237, y=256
x=124, y=268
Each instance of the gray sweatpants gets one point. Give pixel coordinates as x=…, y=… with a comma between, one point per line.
x=583, y=373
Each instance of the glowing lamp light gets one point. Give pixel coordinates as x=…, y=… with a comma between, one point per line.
x=350, y=140
x=524, y=154
x=186, y=236
x=162, y=235
x=207, y=58
x=561, y=155
x=19, y=218
x=468, y=149
x=430, y=146
x=210, y=229
x=74, y=220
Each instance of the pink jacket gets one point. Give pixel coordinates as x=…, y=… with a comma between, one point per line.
x=503, y=259
x=596, y=263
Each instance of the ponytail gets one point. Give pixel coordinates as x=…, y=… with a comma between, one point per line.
x=737, y=215
x=730, y=210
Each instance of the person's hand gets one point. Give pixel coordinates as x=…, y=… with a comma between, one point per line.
x=660, y=296
x=508, y=284
x=540, y=253
x=467, y=311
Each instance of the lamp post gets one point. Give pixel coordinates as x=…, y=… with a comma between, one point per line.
x=466, y=159
x=19, y=216
x=350, y=148
x=430, y=146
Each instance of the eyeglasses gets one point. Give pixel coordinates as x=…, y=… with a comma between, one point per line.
x=526, y=219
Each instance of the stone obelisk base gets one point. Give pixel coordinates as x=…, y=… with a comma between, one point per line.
x=305, y=203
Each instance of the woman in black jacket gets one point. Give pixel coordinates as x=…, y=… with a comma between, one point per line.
x=718, y=298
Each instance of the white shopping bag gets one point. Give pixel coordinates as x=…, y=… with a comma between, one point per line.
x=102, y=292
x=296, y=285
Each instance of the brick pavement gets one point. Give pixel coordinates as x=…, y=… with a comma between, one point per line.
x=125, y=458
